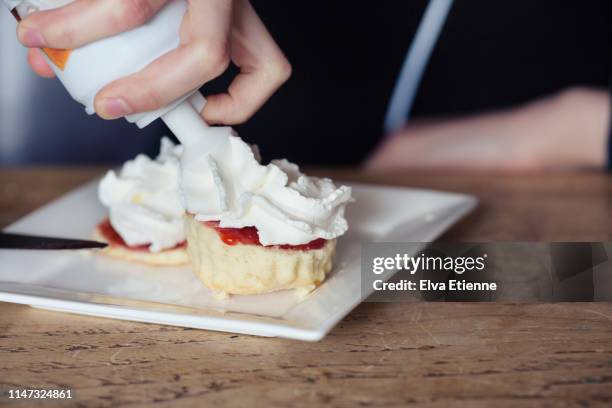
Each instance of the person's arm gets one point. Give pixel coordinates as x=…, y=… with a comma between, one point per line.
x=213, y=33
x=568, y=130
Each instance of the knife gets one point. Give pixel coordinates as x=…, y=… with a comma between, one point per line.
x=20, y=241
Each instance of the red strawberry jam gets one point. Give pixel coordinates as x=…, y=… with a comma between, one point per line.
x=249, y=236
x=114, y=239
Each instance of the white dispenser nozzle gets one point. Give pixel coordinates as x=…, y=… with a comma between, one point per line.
x=191, y=129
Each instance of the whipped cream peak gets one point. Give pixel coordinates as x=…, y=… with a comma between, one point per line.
x=143, y=199
x=229, y=184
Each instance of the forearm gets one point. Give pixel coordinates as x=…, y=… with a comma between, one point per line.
x=566, y=130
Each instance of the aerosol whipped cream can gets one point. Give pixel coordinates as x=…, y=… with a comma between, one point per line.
x=86, y=70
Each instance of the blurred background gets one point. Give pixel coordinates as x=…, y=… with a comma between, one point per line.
x=346, y=56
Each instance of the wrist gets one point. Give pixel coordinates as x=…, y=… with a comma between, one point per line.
x=585, y=114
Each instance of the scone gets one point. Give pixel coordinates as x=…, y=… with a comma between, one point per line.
x=145, y=221
x=117, y=248
x=232, y=260
x=252, y=227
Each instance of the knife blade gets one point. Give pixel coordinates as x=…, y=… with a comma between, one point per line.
x=21, y=241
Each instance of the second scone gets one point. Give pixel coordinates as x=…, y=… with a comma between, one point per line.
x=253, y=269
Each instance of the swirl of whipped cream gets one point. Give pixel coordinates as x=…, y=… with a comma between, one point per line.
x=143, y=199
x=228, y=184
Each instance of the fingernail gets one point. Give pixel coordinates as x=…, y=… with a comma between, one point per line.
x=31, y=37
x=114, y=108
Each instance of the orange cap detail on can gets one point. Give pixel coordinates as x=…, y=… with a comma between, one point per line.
x=59, y=57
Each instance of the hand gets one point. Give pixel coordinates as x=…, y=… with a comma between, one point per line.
x=566, y=131
x=213, y=33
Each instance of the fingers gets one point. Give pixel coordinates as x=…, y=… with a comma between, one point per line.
x=202, y=56
x=263, y=69
x=163, y=81
x=84, y=21
x=208, y=30
x=39, y=64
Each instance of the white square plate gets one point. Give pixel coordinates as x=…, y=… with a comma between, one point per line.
x=86, y=283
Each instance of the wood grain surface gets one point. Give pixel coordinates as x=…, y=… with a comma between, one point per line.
x=382, y=354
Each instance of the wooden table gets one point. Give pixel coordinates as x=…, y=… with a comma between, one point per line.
x=382, y=354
